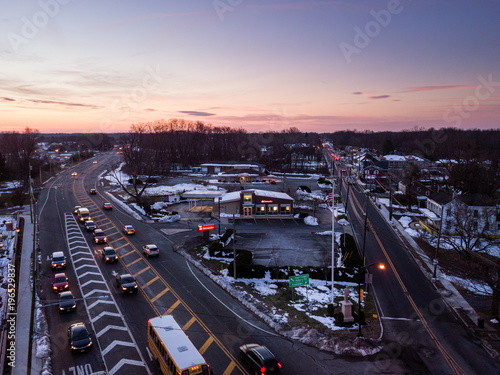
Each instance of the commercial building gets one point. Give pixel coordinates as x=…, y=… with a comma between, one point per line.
x=255, y=203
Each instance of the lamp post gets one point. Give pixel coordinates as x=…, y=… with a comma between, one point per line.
x=381, y=266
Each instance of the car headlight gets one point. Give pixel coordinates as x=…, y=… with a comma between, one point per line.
x=54, y=287
x=124, y=288
x=66, y=286
x=135, y=286
x=105, y=239
x=107, y=258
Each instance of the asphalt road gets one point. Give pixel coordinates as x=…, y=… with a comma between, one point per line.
x=416, y=321
x=215, y=322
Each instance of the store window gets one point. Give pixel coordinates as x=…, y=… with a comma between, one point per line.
x=273, y=210
x=247, y=198
x=260, y=210
x=285, y=210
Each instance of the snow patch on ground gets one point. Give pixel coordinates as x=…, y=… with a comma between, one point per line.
x=310, y=220
x=405, y=221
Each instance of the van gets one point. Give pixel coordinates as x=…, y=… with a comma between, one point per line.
x=83, y=214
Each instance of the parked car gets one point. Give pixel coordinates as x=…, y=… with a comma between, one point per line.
x=94, y=162
x=107, y=206
x=58, y=260
x=260, y=359
x=60, y=282
x=99, y=236
x=75, y=209
x=90, y=225
x=93, y=191
x=151, y=250
x=128, y=229
x=126, y=283
x=79, y=337
x=74, y=174
x=67, y=302
x=109, y=254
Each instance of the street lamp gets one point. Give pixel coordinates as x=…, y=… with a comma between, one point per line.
x=380, y=266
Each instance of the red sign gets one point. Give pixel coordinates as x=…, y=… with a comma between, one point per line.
x=202, y=228
x=266, y=201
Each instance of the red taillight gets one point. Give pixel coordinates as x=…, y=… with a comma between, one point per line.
x=279, y=365
x=204, y=368
x=185, y=372
x=262, y=370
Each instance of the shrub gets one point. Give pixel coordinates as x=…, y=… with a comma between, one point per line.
x=248, y=271
x=225, y=237
x=303, y=215
x=339, y=319
x=330, y=310
x=304, y=188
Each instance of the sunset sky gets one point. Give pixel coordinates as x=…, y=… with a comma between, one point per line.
x=262, y=65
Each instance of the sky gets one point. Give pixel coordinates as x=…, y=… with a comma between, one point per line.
x=261, y=65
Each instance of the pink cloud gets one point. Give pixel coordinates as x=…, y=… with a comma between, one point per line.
x=433, y=88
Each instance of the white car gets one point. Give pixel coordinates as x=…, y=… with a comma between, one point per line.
x=151, y=250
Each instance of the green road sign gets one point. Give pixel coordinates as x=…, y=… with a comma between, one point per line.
x=299, y=280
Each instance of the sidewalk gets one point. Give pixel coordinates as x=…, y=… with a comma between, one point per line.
x=24, y=305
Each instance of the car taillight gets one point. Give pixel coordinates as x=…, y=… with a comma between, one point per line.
x=185, y=372
x=204, y=367
x=262, y=370
x=279, y=365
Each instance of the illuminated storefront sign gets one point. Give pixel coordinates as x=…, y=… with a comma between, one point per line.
x=202, y=228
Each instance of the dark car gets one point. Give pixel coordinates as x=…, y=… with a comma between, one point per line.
x=128, y=229
x=67, y=302
x=90, y=225
x=99, y=236
x=107, y=206
x=93, y=191
x=79, y=337
x=126, y=283
x=260, y=359
x=58, y=260
x=109, y=254
x=75, y=209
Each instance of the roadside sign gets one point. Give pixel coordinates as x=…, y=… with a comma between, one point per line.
x=202, y=228
x=298, y=280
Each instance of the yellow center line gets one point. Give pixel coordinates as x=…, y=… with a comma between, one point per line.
x=159, y=295
x=234, y=363
x=188, y=324
x=141, y=271
x=229, y=368
x=449, y=359
x=205, y=346
x=151, y=281
x=135, y=261
x=172, y=308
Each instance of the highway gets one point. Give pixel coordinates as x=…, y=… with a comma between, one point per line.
x=215, y=322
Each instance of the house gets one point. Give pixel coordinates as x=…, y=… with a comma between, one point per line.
x=256, y=203
x=476, y=210
x=217, y=167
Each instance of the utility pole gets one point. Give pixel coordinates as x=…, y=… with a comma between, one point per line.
x=436, y=253
x=234, y=247
x=390, y=198
x=333, y=242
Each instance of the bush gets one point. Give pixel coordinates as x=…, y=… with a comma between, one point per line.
x=152, y=180
x=225, y=237
x=137, y=181
x=248, y=271
x=214, y=249
x=330, y=310
x=303, y=215
x=304, y=188
x=339, y=319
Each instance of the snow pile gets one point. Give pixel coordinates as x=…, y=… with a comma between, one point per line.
x=311, y=220
x=412, y=232
x=325, y=233
x=177, y=189
x=124, y=207
x=169, y=218
x=405, y=221
x=343, y=222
